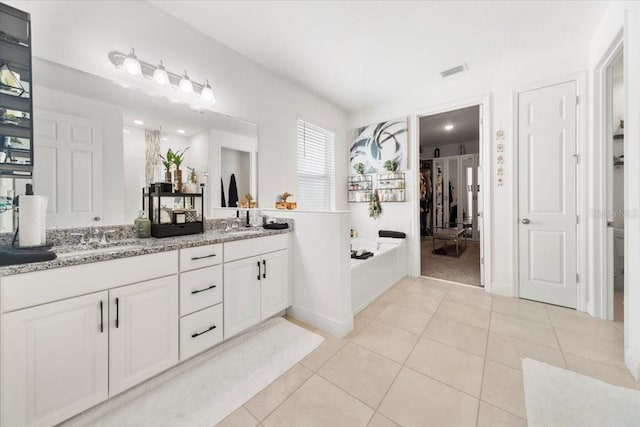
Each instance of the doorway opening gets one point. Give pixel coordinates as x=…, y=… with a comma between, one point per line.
x=450, y=199
x=615, y=104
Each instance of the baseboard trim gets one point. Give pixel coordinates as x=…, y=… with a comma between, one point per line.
x=320, y=321
x=502, y=289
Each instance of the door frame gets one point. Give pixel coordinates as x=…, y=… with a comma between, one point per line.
x=580, y=79
x=603, y=268
x=484, y=169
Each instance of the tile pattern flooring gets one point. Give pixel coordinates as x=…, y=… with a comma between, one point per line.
x=433, y=353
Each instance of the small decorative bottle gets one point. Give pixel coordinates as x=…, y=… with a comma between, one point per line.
x=142, y=226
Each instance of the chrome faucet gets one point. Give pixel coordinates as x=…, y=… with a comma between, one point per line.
x=104, y=241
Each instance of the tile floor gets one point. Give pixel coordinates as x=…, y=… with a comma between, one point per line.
x=433, y=353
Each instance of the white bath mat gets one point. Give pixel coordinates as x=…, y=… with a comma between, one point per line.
x=211, y=386
x=557, y=397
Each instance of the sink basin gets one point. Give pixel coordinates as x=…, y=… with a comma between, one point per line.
x=95, y=251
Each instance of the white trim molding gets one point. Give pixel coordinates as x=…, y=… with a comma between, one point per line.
x=484, y=167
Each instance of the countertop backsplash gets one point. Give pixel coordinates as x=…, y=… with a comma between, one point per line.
x=64, y=236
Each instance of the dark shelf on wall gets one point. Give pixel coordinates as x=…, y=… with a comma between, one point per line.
x=618, y=136
x=16, y=94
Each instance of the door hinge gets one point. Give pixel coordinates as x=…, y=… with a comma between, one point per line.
x=577, y=278
x=577, y=219
x=482, y=260
x=577, y=100
x=577, y=157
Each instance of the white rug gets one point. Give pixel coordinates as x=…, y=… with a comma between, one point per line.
x=211, y=386
x=557, y=397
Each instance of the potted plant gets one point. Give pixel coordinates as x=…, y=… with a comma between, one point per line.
x=359, y=168
x=178, y=158
x=167, y=161
x=390, y=165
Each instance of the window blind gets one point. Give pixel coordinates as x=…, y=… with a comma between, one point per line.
x=316, y=167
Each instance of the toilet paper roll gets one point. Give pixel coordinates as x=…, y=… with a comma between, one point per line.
x=32, y=220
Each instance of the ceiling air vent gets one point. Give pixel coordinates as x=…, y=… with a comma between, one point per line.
x=455, y=70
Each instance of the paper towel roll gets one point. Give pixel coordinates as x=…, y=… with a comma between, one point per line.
x=32, y=220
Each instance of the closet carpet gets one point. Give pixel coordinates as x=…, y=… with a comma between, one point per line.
x=464, y=269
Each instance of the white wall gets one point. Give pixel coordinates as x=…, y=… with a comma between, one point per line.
x=80, y=35
x=621, y=17
x=513, y=74
x=321, y=269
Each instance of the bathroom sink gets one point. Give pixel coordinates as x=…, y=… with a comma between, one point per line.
x=64, y=253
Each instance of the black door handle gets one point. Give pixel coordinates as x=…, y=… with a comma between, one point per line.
x=195, y=258
x=101, y=319
x=258, y=270
x=202, y=290
x=264, y=273
x=197, y=334
x=117, y=313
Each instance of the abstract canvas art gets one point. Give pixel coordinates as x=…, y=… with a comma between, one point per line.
x=376, y=144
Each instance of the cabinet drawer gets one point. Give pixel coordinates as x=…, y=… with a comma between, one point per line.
x=200, y=256
x=252, y=247
x=200, y=331
x=200, y=289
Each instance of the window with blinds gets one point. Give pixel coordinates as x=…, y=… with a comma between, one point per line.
x=316, y=167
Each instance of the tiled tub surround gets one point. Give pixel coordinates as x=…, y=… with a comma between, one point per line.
x=124, y=243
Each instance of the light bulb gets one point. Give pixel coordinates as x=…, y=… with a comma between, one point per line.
x=448, y=127
x=131, y=64
x=207, y=93
x=185, y=84
x=160, y=75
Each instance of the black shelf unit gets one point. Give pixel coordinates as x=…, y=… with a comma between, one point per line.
x=158, y=229
x=16, y=106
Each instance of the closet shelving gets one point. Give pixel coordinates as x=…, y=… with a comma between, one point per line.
x=391, y=187
x=360, y=188
x=16, y=109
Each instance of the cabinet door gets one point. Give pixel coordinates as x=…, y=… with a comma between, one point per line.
x=143, y=333
x=54, y=360
x=276, y=292
x=241, y=294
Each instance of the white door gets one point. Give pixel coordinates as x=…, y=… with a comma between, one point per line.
x=547, y=194
x=242, y=281
x=276, y=292
x=68, y=167
x=54, y=360
x=143, y=332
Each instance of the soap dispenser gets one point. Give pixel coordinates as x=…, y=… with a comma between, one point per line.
x=142, y=226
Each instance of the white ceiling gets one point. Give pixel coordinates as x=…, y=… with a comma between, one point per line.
x=465, y=122
x=362, y=54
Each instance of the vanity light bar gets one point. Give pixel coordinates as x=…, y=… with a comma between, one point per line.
x=149, y=71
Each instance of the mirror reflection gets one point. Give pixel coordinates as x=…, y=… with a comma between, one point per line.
x=97, y=144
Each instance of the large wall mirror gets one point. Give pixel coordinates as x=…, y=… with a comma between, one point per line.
x=97, y=144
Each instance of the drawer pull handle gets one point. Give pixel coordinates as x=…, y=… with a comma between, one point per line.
x=197, y=334
x=101, y=318
x=264, y=273
x=202, y=290
x=195, y=258
x=117, y=313
x=258, y=270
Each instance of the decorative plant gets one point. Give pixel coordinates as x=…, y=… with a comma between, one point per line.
x=167, y=160
x=193, y=175
x=284, y=196
x=178, y=157
x=359, y=168
x=390, y=165
x=248, y=197
x=375, y=208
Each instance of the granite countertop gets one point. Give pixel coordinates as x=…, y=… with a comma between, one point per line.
x=69, y=255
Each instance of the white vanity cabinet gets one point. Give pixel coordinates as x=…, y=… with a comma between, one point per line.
x=143, y=331
x=256, y=281
x=60, y=350
x=54, y=360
